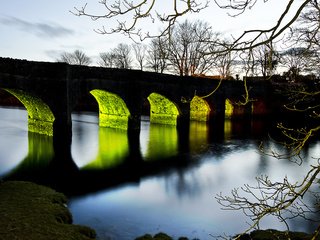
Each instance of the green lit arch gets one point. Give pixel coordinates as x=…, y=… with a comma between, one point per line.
x=199, y=109
x=113, y=111
x=229, y=108
x=40, y=116
x=162, y=110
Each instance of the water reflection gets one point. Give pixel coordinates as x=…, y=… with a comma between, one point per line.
x=161, y=143
x=40, y=154
x=243, y=128
x=113, y=149
x=198, y=136
x=176, y=198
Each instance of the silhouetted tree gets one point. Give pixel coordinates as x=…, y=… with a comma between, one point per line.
x=296, y=61
x=107, y=59
x=157, y=55
x=306, y=35
x=139, y=51
x=76, y=58
x=118, y=57
x=122, y=55
x=187, y=48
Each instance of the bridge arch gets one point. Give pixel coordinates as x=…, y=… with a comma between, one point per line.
x=40, y=116
x=229, y=108
x=234, y=109
x=199, y=109
x=113, y=111
x=162, y=110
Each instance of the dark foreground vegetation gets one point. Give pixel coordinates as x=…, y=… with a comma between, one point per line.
x=32, y=212
x=269, y=234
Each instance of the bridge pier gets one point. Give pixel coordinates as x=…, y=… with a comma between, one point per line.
x=216, y=118
x=133, y=132
x=183, y=127
x=62, y=138
x=218, y=108
x=134, y=122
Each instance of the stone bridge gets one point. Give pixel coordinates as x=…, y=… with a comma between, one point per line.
x=50, y=92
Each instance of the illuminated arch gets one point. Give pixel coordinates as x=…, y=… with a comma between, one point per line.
x=229, y=108
x=199, y=109
x=162, y=110
x=113, y=111
x=40, y=116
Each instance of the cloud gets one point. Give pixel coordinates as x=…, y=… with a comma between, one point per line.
x=44, y=30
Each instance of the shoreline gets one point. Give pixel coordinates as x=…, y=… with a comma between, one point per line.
x=31, y=211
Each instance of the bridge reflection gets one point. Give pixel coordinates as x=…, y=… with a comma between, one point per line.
x=161, y=143
x=114, y=161
x=112, y=151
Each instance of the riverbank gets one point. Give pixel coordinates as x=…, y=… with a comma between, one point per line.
x=29, y=211
x=269, y=234
x=32, y=212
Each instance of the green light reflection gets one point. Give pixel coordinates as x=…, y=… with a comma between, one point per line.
x=40, y=153
x=162, y=110
x=162, y=142
x=227, y=129
x=40, y=116
x=113, y=111
x=198, y=136
x=199, y=109
x=113, y=148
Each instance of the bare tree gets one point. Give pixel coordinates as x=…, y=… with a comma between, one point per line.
x=140, y=50
x=296, y=60
x=122, y=56
x=306, y=35
x=260, y=61
x=118, y=57
x=157, y=55
x=76, y=58
x=107, y=59
x=144, y=10
x=266, y=59
x=224, y=62
x=188, y=46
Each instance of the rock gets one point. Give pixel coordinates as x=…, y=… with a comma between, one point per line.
x=29, y=211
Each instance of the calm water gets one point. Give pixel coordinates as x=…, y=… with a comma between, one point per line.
x=166, y=190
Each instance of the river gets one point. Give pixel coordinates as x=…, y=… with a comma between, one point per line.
x=122, y=199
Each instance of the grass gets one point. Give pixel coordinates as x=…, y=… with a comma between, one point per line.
x=32, y=212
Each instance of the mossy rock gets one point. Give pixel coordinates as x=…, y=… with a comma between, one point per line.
x=158, y=236
x=271, y=234
x=29, y=211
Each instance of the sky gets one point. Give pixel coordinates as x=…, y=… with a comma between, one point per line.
x=40, y=30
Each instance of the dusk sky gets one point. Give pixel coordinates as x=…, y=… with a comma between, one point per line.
x=41, y=30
